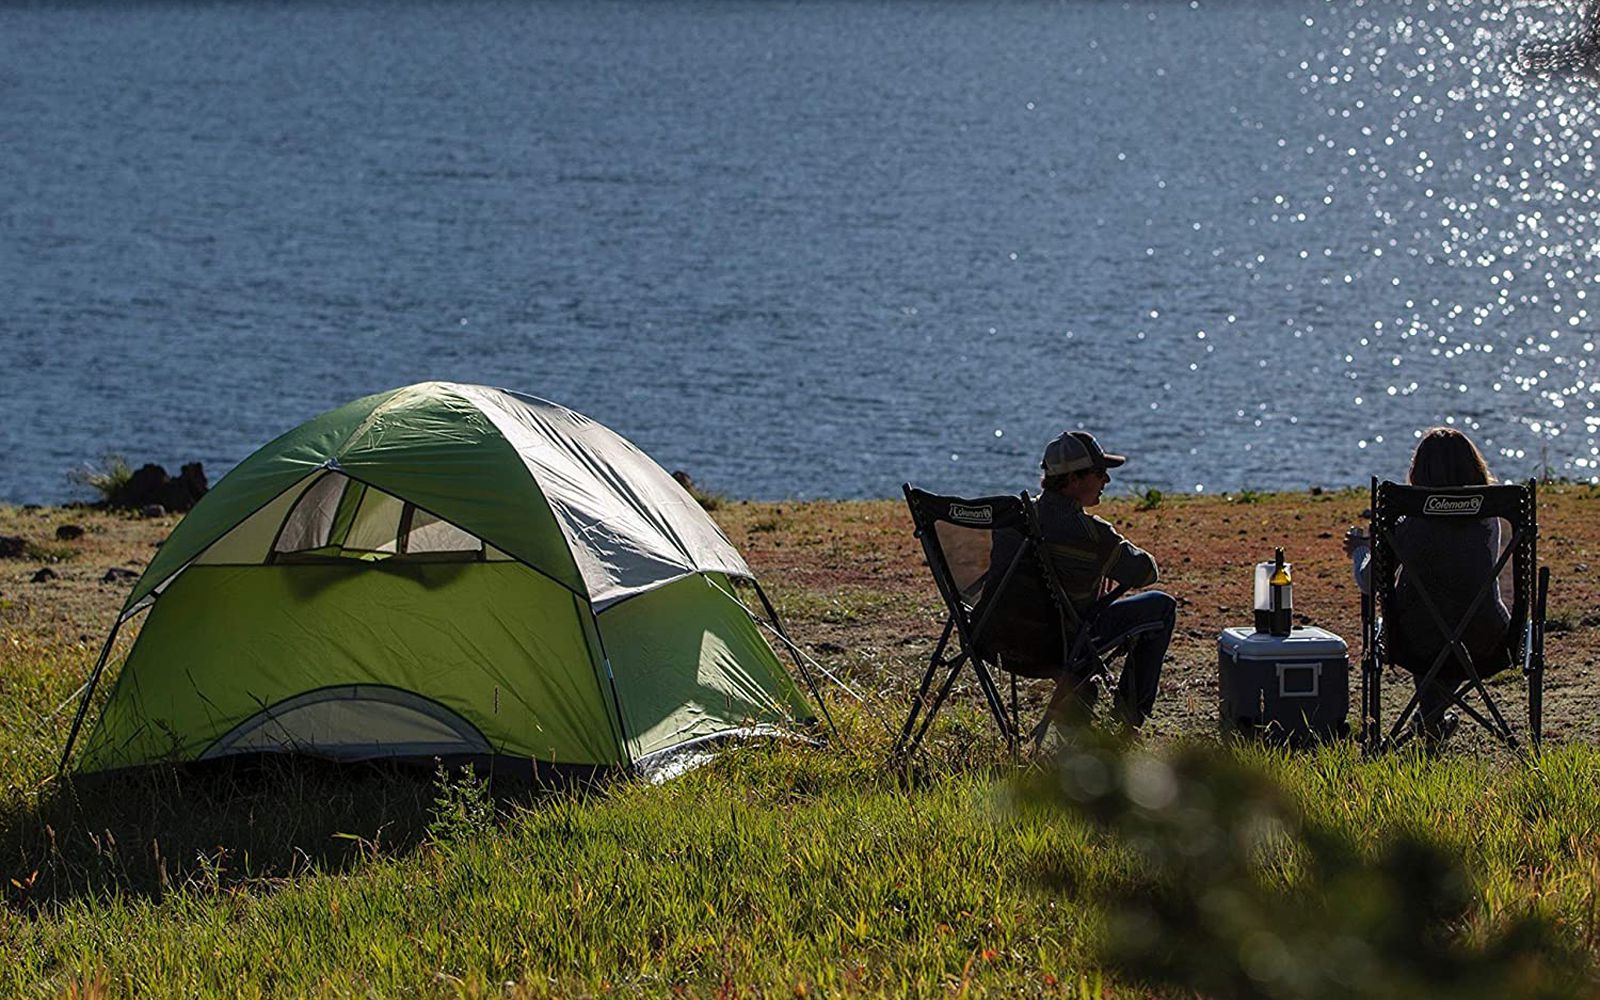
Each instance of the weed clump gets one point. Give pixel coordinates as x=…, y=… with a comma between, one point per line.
x=463, y=806
x=1149, y=499
x=109, y=479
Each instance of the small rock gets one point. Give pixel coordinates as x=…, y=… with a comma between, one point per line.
x=829, y=647
x=683, y=478
x=1316, y=491
x=44, y=575
x=153, y=510
x=117, y=574
x=13, y=546
x=32, y=507
x=1324, y=534
x=69, y=532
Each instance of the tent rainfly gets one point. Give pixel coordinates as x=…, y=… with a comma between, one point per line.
x=441, y=570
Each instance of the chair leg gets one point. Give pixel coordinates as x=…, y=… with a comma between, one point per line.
x=1474, y=714
x=920, y=698
x=1016, y=714
x=938, y=700
x=1500, y=727
x=1536, y=662
x=997, y=706
x=904, y=747
x=1371, y=708
x=917, y=701
x=1397, y=731
x=1536, y=706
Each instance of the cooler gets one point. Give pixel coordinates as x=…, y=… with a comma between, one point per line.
x=1294, y=687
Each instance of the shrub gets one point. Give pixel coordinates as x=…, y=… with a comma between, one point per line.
x=109, y=478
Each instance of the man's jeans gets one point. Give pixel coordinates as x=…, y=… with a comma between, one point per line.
x=1145, y=623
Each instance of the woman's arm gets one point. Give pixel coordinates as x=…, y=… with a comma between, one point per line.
x=1359, y=550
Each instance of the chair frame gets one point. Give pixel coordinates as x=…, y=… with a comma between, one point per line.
x=964, y=626
x=1518, y=505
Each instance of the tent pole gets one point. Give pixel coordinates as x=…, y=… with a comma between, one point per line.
x=811, y=683
x=616, y=701
x=88, y=692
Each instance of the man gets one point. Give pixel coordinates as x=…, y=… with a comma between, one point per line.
x=1089, y=557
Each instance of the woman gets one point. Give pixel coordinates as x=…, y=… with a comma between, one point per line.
x=1452, y=558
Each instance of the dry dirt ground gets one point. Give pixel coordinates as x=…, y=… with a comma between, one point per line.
x=850, y=581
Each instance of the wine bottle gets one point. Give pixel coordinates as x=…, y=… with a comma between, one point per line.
x=1282, y=596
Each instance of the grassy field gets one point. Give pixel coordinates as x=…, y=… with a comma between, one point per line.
x=790, y=870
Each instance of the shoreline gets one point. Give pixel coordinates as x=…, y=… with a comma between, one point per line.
x=1118, y=491
x=849, y=580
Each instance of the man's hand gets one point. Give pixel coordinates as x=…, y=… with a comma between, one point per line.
x=1354, y=539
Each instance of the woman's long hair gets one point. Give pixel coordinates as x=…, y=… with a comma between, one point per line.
x=1447, y=457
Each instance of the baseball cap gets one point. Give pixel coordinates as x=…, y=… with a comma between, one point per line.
x=1075, y=451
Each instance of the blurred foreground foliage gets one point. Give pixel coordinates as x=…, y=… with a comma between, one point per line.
x=1239, y=893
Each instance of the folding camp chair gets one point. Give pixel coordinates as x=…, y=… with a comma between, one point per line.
x=1516, y=506
x=958, y=538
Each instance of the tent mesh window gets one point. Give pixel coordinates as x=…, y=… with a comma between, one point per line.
x=374, y=522
x=338, y=517
x=430, y=534
x=311, y=519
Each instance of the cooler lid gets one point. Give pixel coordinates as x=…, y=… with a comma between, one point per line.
x=1305, y=642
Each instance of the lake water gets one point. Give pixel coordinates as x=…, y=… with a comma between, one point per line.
x=806, y=249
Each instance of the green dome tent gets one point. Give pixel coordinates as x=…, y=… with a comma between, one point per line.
x=441, y=570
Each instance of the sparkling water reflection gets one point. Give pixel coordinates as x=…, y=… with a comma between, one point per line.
x=1469, y=134
x=814, y=249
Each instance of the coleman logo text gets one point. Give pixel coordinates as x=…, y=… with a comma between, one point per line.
x=972, y=515
x=1440, y=504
